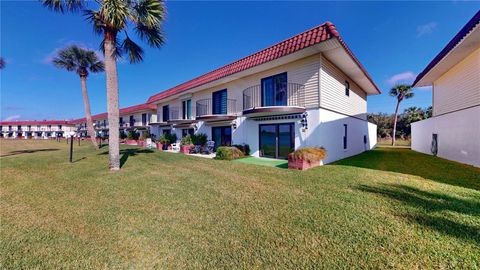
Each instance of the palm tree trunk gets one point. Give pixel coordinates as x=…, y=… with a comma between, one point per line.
x=112, y=100
x=395, y=123
x=88, y=114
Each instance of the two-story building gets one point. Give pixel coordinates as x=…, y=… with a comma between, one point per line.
x=308, y=90
x=453, y=132
x=35, y=129
x=134, y=118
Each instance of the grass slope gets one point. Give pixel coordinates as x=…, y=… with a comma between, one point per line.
x=167, y=210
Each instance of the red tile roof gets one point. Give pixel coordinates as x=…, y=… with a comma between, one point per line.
x=34, y=122
x=301, y=41
x=451, y=45
x=131, y=109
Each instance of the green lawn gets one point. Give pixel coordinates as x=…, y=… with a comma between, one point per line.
x=388, y=208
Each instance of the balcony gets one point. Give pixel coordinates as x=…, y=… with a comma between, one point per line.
x=175, y=118
x=289, y=99
x=209, y=113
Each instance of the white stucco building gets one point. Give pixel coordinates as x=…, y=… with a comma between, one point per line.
x=453, y=132
x=309, y=90
x=25, y=129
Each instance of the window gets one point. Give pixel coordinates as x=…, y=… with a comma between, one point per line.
x=131, y=120
x=187, y=109
x=49, y=126
x=219, y=102
x=166, y=112
x=144, y=119
x=59, y=127
x=347, y=88
x=345, y=136
x=187, y=131
x=19, y=127
x=121, y=121
x=9, y=128
x=274, y=90
x=104, y=123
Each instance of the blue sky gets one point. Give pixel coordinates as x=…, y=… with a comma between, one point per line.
x=394, y=41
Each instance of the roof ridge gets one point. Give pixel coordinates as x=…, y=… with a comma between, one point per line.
x=327, y=26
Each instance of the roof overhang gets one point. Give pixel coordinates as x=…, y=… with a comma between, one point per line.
x=463, y=44
x=334, y=51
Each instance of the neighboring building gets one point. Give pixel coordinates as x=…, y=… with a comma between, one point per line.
x=35, y=129
x=309, y=90
x=453, y=132
x=135, y=118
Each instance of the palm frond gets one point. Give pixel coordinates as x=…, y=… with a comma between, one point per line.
x=97, y=67
x=95, y=18
x=2, y=63
x=153, y=36
x=150, y=13
x=133, y=50
x=64, y=5
x=74, y=58
x=115, y=14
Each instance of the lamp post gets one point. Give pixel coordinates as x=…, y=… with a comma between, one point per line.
x=72, y=133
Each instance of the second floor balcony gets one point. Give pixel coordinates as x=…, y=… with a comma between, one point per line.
x=274, y=99
x=216, y=110
x=177, y=117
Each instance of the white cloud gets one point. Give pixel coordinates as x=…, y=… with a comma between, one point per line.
x=426, y=29
x=404, y=77
x=13, y=117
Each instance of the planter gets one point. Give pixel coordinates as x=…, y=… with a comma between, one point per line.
x=300, y=164
x=159, y=146
x=131, y=142
x=141, y=143
x=186, y=148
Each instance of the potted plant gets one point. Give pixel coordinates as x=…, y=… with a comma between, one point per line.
x=186, y=144
x=172, y=137
x=164, y=141
x=132, y=138
x=306, y=158
x=145, y=135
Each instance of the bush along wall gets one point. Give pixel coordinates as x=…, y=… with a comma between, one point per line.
x=306, y=158
x=228, y=153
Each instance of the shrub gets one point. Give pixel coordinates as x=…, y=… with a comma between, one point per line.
x=309, y=154
x=172, y=137
x=228, y=153
x=132, y=135
x=199, y=139
x=123, y=135
x=164, y=139
x=186, y=140
x=245, y=148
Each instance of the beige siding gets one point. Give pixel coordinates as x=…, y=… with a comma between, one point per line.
x=304, y=71
x=459, y=87
x=332, y=93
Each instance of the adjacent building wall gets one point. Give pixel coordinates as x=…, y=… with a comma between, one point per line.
x=458, y=135
x=458, y=88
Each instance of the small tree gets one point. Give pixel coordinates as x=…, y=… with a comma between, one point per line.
x=401, y=92
x=112, y=19
x=81, y=61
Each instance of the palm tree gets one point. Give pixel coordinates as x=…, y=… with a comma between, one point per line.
x=82, y=61
x=2, y=63
x=401, y=91
x=111, y=19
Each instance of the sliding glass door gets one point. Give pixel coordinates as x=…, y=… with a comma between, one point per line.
x=222, y=136
x=277, y=140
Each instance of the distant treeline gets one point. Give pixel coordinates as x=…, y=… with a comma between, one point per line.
x=384, y=121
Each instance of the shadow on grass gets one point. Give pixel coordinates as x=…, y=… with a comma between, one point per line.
x=410, y=162
x=19, y=152
x=424, y=207
x=126, y=153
